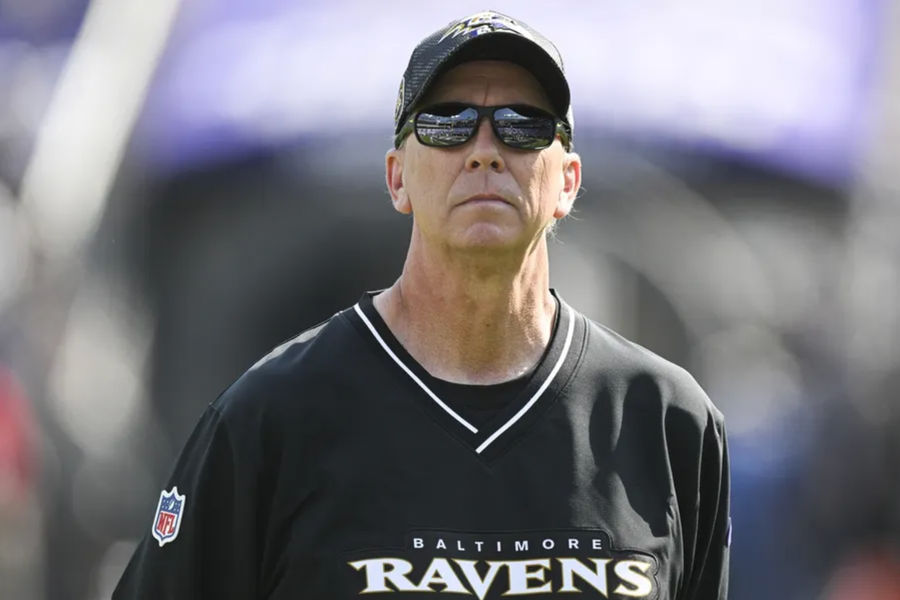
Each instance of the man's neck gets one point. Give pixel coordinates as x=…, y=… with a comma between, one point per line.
x=472, y=320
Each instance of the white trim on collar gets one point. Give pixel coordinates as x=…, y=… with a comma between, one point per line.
x=540, y=390
x=412, y=375
x=512, y=420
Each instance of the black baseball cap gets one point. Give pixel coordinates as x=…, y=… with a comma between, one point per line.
x=486, y=35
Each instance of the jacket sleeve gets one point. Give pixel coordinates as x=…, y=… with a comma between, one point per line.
x=203, y=543
x=708, y=577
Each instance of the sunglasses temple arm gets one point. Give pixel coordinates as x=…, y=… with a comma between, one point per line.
x=562, y=130
x=407, y=128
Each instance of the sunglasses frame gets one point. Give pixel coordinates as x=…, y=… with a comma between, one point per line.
x=561, y=128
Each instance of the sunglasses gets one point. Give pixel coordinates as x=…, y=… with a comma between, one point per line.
x=453, y=124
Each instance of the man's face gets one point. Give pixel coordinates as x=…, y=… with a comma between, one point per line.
x=483, y=195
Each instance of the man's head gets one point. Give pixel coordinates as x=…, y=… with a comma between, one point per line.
x=486, y=35
x=482, y=162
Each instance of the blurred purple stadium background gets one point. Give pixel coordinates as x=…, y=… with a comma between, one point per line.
x=184, y=185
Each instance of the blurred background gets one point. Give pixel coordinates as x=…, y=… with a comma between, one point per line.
x=183, y=185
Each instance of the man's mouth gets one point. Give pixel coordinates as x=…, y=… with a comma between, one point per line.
x=485, y=199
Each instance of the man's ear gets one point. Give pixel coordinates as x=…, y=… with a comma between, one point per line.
x=393, y=174
x=571, y=184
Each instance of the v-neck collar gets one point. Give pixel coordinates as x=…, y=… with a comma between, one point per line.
x=490, y=440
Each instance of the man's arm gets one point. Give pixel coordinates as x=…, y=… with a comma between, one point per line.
x=708, y=579
x=202, y=542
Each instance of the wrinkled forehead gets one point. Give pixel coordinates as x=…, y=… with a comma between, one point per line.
x=488, y=82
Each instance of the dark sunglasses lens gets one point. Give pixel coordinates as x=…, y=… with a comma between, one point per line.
x=521, y=127
x=446, y=126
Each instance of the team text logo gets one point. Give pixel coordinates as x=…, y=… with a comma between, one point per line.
x=490, y=566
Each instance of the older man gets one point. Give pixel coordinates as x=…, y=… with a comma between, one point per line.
x=465, y=431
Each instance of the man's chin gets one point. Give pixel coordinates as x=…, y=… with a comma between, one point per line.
x=489, y=238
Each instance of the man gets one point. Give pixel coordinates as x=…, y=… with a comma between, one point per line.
x=465, y=431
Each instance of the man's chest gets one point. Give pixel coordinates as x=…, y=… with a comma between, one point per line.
x=430, y=520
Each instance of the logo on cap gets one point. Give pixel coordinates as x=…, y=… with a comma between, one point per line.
x=398, y=108
x=484, y=22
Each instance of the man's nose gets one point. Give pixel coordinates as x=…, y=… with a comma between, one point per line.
x=484, y=150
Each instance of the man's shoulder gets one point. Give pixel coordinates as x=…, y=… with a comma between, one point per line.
x=628, y=363
x=293, y=372
x=289, y=355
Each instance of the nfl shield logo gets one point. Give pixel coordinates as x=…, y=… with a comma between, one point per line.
x=168, y=516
